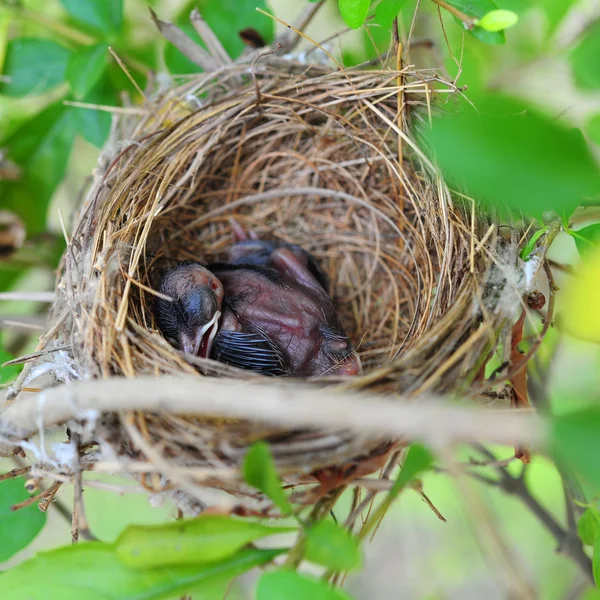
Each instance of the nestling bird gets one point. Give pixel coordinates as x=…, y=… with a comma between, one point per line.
x=190, y=319
x=277, y=318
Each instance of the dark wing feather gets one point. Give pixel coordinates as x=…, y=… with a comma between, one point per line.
x=250, y=351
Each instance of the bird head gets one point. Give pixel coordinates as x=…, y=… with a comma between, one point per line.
x=188, y=313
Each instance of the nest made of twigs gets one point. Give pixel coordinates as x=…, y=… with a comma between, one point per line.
x=305, y=154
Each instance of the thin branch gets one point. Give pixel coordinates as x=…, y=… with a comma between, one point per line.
x=433, y=420
x=29, y=296
x=290, y=37
x=184, y=44
x=568, y=542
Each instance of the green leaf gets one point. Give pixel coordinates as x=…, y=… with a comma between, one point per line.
x=41, y=148
x=580, y=316
x=85, y=68
x=103, y=15
x=208, y=538
x=289, y=585
x=354, y=12
x=575, y=442
x=514, y=158
x=596, y=562
x=418, y=460
x=555, y=11
x=92, y=571
x=387, y=11
x=7, y=374
x=530, y=245
x=228, y=17
x=260, y=472
x=477, y=9
x=94, y=123
x=592, y=127
x=332, y=546
x=497, y=20
x=587, y=238
x=33, y=66
x=584, y=59
x=588, y=526
x=18, y=528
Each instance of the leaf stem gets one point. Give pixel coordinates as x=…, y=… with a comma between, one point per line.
x=469, y=22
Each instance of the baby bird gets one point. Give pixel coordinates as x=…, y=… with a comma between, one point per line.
x=265, y=310
x=190, y=318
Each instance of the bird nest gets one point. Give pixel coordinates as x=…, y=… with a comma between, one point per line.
x=326, y=158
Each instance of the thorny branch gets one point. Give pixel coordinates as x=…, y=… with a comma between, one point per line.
x=568, y=541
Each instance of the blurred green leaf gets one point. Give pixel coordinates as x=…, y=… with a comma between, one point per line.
x=354, y=12
x=387, y=11
x=518, y=6
x=33, y=66
x=497, y=20
x=259, y=471
x=512, y=157
x=588, y=526
x=477, y=9
x=85, y=69
x=596, y=562
x=418, y=460
x=587, y=238
x=18, y=528
x=94, y=124
x=7, y=374
x=555, y=11
x=41, y=148
x=105, y=16
x=289, y=585
x=332, y=546
x=228, y=17
x=207, y=538
x=5, y=22
x=530, y=245
x=575, y=442
x=592, y=128
x=584, y=59
x=92, y=571
x=580, y=316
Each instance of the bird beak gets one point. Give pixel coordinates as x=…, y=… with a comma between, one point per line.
x=201, y=344
x=349, y=367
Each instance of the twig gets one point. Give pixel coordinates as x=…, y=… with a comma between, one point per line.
x=569, y=543
x=184, y=44
x=38, y=497
x=208, y=36
x=435, y=421
x=290, y=37
x=14, y=473
x=29, y=296
x=79, y=524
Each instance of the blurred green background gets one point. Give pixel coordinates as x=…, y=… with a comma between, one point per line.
x=55, y=146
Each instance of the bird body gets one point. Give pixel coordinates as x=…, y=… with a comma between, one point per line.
x=277, y=318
